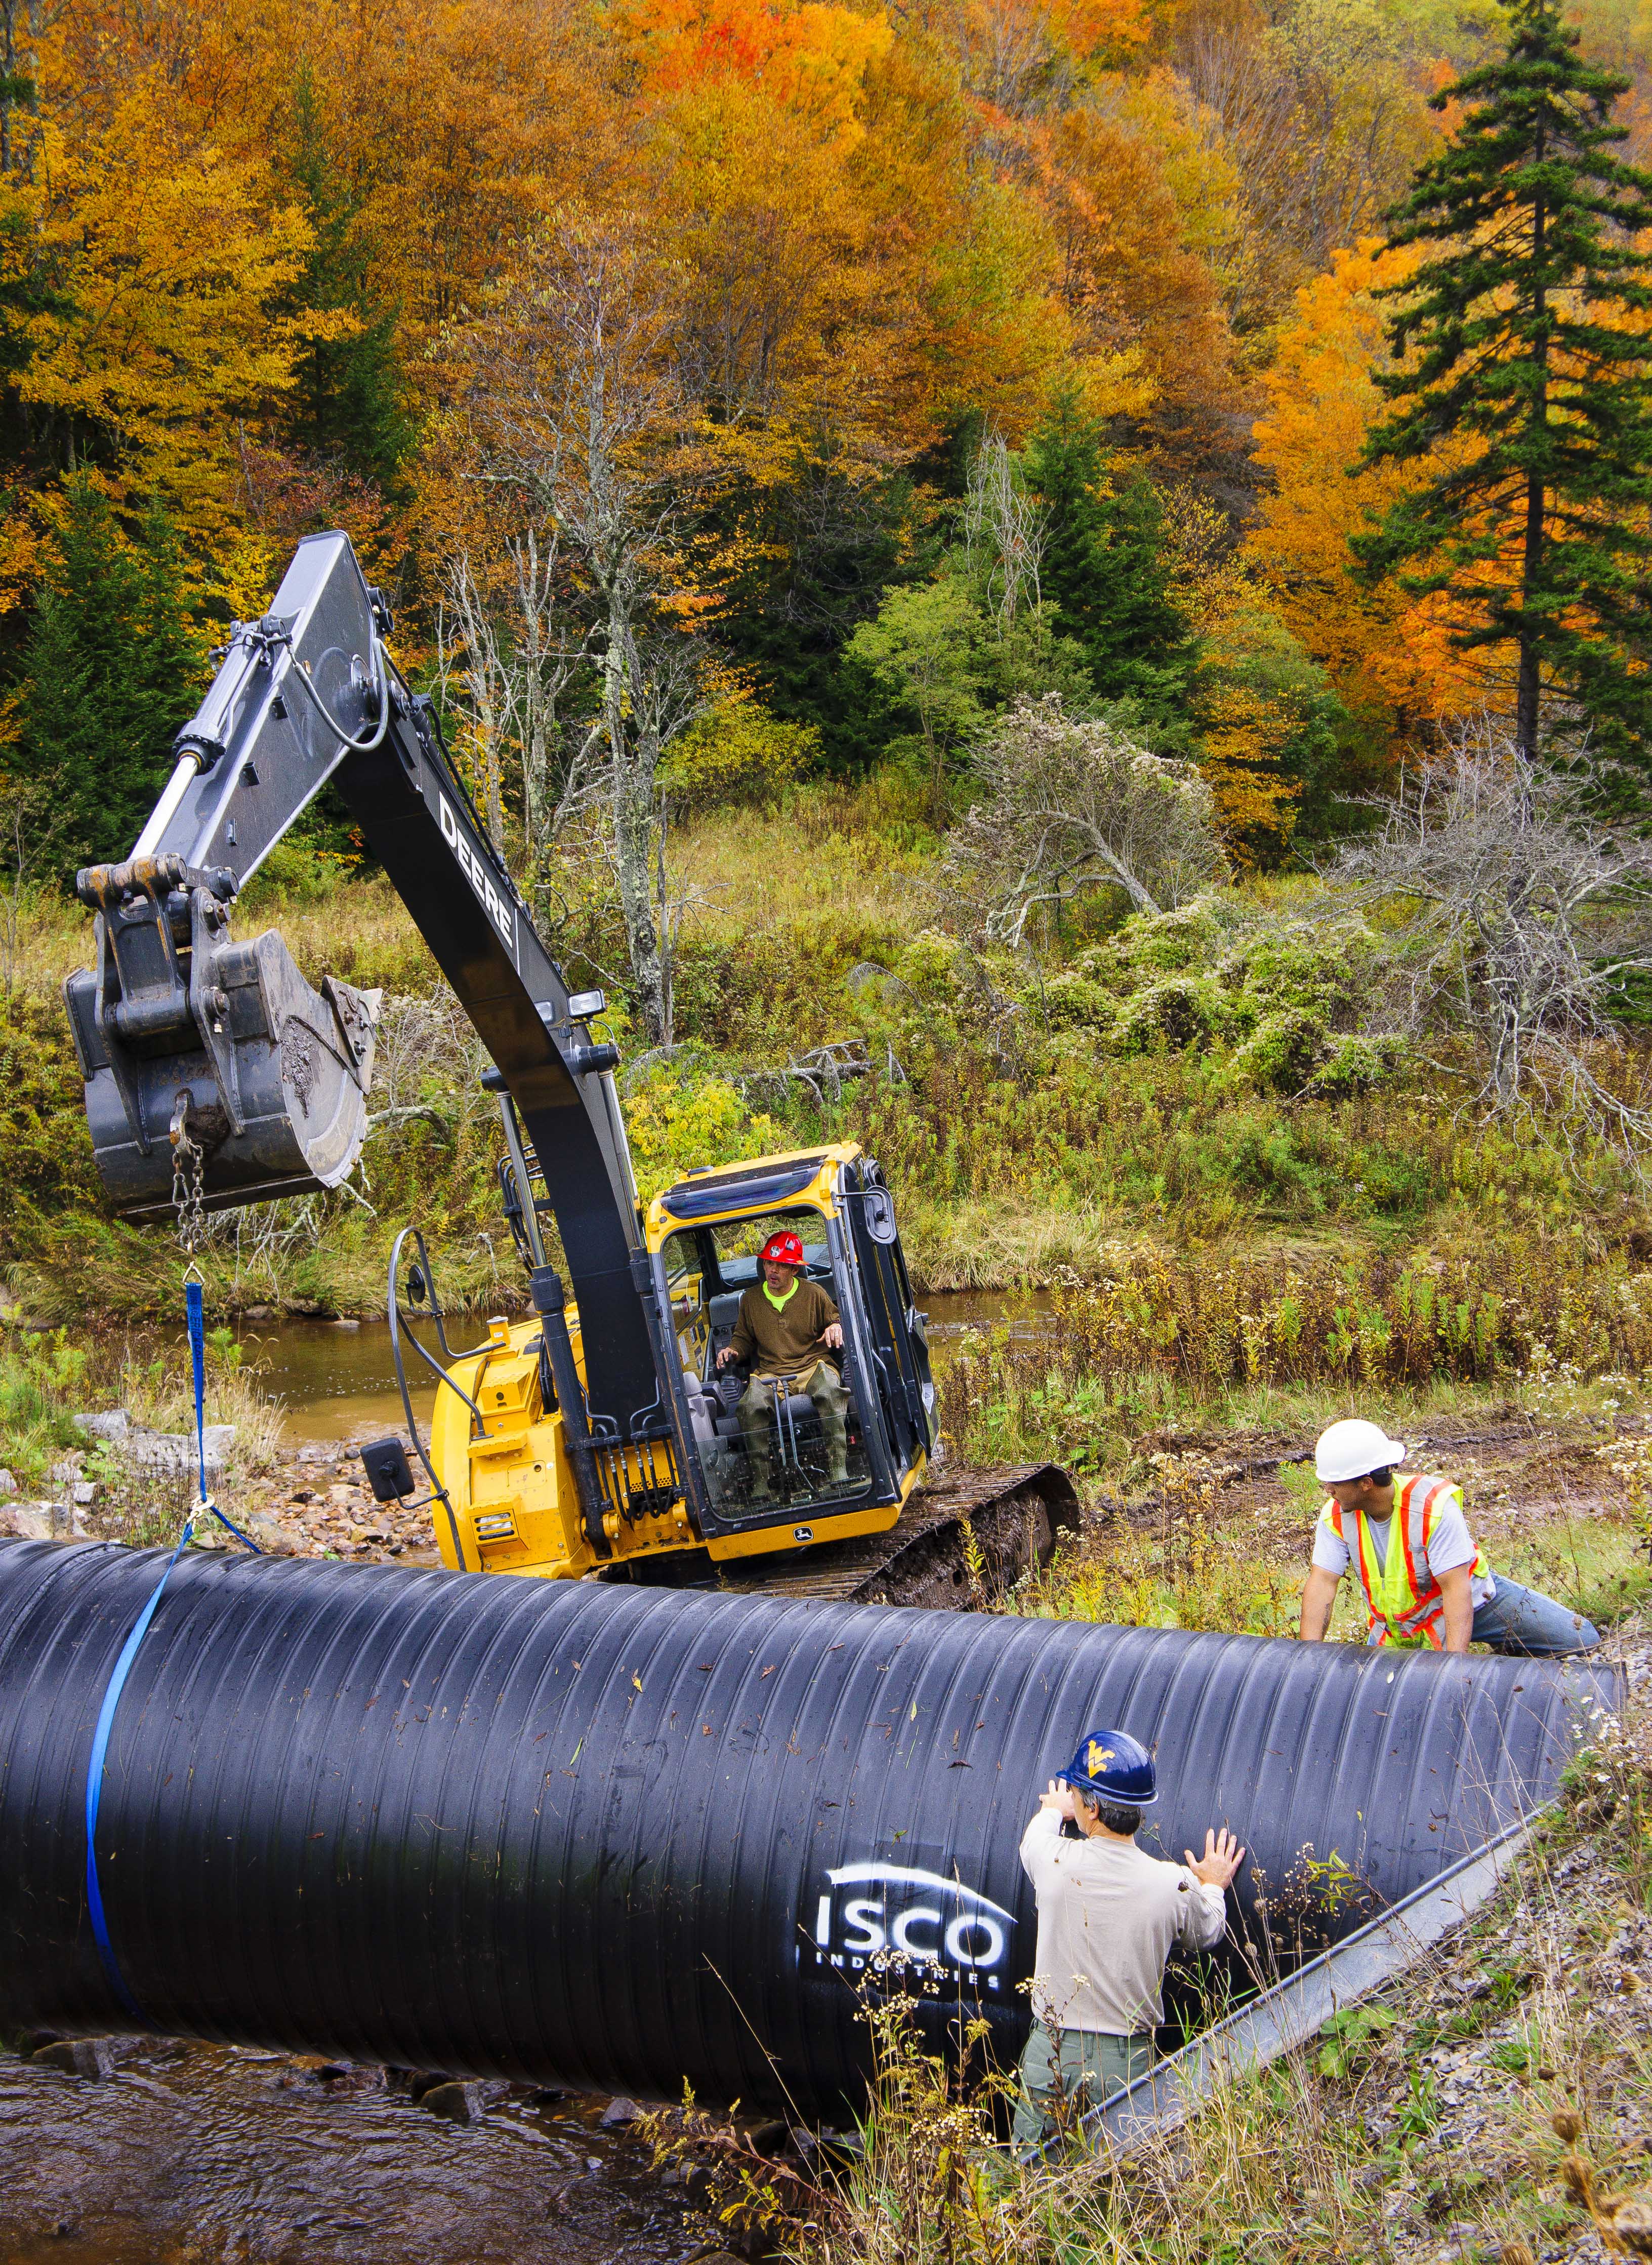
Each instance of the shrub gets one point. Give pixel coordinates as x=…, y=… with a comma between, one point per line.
x=1325, y=965
x=1284, y=1051
x=1185, y=1011
x=1167, y=943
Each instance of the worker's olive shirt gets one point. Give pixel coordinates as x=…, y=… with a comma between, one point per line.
x=786, y=1342
x=1109, y=1917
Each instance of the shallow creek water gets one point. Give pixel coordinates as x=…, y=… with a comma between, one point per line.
x=207, y=2155
x=339, y=1383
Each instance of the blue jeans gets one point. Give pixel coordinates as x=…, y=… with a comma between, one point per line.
x=1529, y=1625
x=1526, y=1625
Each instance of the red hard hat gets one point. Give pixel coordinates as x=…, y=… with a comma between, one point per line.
x=782, y=1250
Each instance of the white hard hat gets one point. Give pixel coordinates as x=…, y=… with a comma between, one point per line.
x=1351, y=1448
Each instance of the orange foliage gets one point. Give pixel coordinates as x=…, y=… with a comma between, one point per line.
x=1381, y=649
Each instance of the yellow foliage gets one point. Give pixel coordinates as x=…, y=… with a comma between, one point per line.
x=738, y=752
x=164, y=257
x=675, y=1121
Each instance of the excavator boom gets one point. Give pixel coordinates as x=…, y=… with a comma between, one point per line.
x=275, y=1075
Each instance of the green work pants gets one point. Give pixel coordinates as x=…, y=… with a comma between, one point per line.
x=826, y=1388
x=1092, y=2068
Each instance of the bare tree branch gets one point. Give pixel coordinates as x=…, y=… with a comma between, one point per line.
x=1514, y=918
x=1069, y=804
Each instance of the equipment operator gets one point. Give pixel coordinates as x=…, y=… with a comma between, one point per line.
x=1109, y=1916
x=786, y=1325
x=1426, y=1581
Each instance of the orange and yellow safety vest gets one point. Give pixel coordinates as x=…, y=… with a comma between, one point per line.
x=1402, y=1595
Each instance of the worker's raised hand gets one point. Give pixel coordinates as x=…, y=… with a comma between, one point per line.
x=831, y=1336
x=1222, y=1858
x=1059, y=1798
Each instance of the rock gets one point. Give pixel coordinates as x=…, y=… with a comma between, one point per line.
x=64, y=1477
x=175, y=1450
x=317, y=1454
x=112, y=1424
x=421, y=2081
x=466, y=2102
x=459, y=2103
x=345, y=1321
x=8, y=1484
x=274, y=1539
x=30, y=1521
x=257, y=1313
x=84, y=1494
x=90, y=2057
x=619, y=2113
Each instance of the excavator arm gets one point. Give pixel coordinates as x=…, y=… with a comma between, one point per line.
x=208, y=1054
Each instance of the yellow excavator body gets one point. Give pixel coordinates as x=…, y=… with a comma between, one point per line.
x=512, y=1506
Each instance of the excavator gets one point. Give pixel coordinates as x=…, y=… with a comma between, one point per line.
x=598, y=1435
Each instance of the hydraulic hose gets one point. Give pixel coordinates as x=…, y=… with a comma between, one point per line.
x=622, y=1837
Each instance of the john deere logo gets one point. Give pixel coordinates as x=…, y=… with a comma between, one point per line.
x=892, y=1917
x=803, y=1533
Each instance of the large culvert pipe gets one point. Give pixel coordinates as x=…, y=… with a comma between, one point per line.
x=622, y=1836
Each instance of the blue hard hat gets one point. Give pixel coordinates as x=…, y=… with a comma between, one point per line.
x=1112, y=1765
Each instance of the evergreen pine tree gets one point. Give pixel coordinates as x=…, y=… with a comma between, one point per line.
x=113, y=670
x=1105, y=566
x=348, y=399
x=1529, y=377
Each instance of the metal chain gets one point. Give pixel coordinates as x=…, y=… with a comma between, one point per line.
x=189, y=1163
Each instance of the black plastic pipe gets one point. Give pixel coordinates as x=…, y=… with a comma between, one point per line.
x=621, y=1837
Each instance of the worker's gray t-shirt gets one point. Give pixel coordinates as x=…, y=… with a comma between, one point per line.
x=1449, y=1543
x=1109, y=1917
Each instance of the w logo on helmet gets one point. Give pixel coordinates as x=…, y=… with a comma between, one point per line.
x=1096, y=1758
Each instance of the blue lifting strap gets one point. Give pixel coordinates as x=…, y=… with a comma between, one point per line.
x=194, y=1306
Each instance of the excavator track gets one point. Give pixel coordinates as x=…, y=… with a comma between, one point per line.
x=1015, y=1512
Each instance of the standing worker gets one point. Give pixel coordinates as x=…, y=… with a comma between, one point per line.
x=786, y=1326
x=1109, y=1916
x=1425, y=1580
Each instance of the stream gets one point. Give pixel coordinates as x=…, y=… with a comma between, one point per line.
x=337, y=1380
x=194, y=2154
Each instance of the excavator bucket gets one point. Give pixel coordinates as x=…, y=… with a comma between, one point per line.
x=213, y=1069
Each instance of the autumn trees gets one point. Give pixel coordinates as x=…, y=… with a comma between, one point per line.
x=782, y=376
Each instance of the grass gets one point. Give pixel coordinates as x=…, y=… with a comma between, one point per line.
x=46, y=1381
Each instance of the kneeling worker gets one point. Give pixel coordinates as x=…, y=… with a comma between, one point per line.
x=786, y=1325
x=1109, y=1916
x=1425, y=1580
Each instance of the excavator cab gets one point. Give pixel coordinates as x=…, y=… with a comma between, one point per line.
x=768, y=1465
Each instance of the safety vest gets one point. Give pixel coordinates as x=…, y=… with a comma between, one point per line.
x=1403, y=1596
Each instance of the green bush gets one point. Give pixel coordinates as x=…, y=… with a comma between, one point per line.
x=1284, y=1051
x=1183, y=1011
x=296, y=872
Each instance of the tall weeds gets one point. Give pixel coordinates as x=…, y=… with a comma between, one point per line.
x=1165, y=1332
